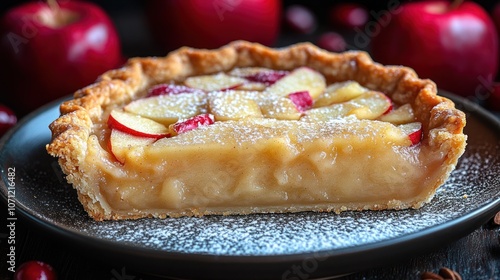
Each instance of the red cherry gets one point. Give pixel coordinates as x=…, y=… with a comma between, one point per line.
x=35, y=270
x=349, y=15
x=300, y=19
x=332, y=41
x=7, y=119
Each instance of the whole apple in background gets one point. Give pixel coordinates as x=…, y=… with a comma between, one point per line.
x=496, y=19
x=7, y=119
x=455, y=45
x=211, y=24
x=348, y=15
x=493, y=101
x=48, y=51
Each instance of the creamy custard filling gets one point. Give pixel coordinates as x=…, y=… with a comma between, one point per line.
x=267, y=163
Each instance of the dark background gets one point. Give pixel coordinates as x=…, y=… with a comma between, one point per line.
x=128, y=15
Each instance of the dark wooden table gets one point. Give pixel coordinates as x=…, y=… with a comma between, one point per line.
x=475, y=256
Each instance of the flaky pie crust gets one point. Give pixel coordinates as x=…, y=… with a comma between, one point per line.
x=442, y=123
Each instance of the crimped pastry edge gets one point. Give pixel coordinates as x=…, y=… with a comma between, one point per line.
x=442, y=123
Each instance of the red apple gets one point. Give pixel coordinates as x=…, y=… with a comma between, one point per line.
x=211, y=24
x=7, y=119
x=349, y=15
x=496, y=19
x=51, y=51
x=454, y=45
x=493, y=101
x=300, y=19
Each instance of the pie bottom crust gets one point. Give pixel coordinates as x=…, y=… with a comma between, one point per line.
x=257, y=166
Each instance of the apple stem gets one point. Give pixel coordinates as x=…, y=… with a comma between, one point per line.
x=54, y=16
x=53, y=5
x=455, y=4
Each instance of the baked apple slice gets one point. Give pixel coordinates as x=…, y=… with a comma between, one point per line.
x=280, y=108
x=166, y=89
x=136, y=125
x=401, y=115
x=258, y=78
x=413, y=130
x=233, y=105
x=169, y=108
x=216, y=82
x=191, y=123
x=339, y=92
x=122, y=143
x=369, y=105
x=291, y=107
x=300, y=79
x=302, y=100
x=259, y=75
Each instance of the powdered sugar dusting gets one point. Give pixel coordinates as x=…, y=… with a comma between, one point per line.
x=476, y=177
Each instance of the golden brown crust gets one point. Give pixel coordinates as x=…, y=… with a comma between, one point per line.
x=442, y=123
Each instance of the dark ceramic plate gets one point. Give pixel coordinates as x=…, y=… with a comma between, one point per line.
x=277, y=246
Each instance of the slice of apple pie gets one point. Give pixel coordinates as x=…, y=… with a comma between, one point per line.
x=249, y=129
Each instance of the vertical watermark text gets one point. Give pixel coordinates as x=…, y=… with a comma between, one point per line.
x=11, y=219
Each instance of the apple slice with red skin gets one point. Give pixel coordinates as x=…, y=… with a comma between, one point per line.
x=302, y=100
x=192, y=123
x=167, y=89
x=401, y=115
x=169, y=108
x=267, y=77
x=258, y=78
x=216, y=82
x=413, y=130
x=121, y=143
x=280, y=108
x=136, y=125
x=300, y=79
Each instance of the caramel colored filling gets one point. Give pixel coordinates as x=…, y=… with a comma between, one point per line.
x=268, y=163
